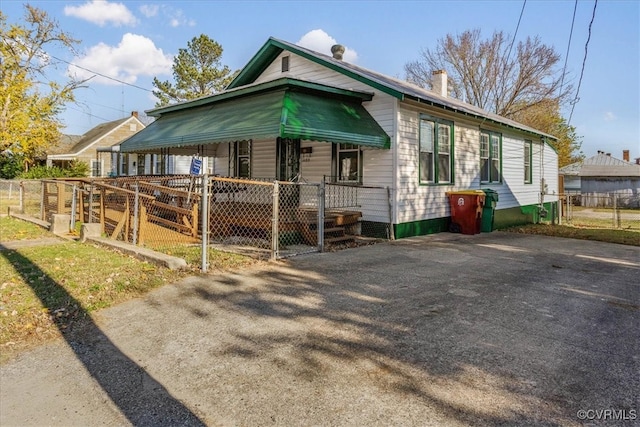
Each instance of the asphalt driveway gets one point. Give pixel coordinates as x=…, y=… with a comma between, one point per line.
x=447, y=330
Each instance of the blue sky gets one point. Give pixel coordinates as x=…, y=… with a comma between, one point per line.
x=133, y=41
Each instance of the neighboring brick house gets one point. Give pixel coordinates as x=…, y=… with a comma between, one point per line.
x=93, y=145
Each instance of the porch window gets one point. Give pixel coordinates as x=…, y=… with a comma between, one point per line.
x=490, y=157
x=141, y=164
x=436, y=150
x=348, y=163
x=160, y=164
x=527, y=162
x=124, y=164
x=242, y=161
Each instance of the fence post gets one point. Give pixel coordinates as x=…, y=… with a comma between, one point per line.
x=74, y=192
x=275, y=238
x=321, y=205
x=135, y=216
x=90, y=219
x=204, y=201
x=616, y=211
x=43, y=191
x=613, y=202
x=61, y=195
x=21, y=196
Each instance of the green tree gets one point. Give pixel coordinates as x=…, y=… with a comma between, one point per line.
x=29, y=102
x=521, y=82
x=197, y=72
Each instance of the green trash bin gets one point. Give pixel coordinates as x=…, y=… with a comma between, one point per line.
x=488, y=211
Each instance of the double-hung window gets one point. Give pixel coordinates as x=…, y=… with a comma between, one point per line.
x=436, y=150
x=490, y=157
x=349, y=163
x=527, y=162
x=242, y=161
x=96, y=168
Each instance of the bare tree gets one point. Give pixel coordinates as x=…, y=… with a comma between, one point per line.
x=492, y=74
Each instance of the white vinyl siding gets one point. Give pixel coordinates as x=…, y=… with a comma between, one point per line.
x=377, y=164
x=263, y=159
x=317, y=164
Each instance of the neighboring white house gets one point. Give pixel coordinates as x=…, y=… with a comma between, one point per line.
x=602, y=175
x=104, y=138
x=353, y=125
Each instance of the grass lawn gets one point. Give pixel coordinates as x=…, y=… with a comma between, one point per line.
x=624, y=237
x=45, y=289
x=14, y=229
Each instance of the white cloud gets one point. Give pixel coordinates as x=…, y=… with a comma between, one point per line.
x=609, y=116
x=320, y=41
x=134, y=56
x=177, y=18
x=149, y=10
x=102, y=12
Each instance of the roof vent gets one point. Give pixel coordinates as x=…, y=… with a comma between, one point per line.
x=337, y=50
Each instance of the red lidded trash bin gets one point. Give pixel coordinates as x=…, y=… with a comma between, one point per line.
x=466, y=211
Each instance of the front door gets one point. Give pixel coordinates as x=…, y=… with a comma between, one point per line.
x=288, y=159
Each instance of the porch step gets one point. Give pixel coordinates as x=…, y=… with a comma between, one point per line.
x=334, y=230
x=343, y=238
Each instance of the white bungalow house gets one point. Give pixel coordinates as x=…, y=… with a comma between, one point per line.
x=295, y=113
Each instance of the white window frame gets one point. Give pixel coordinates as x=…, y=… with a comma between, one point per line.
x=345, y=152
x=244, y=157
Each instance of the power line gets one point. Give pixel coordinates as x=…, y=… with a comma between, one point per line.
x=516, y=32
x=584, y=61
x=566, y=57
x=102, y=75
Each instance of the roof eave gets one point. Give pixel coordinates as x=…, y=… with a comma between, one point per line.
x=273, y=47
x=285, y=82
x=481, y=117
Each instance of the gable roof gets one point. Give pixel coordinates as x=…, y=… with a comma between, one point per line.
x=399, y=89
x=94, y=135
x=602, y=165
x=64, y=144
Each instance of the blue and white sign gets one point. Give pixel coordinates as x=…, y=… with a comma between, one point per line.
x=196, y=166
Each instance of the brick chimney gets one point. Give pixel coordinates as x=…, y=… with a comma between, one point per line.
x=625, y=155
x=134, y=114
x=439, y=82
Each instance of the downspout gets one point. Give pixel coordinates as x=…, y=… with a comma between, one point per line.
x=543, y=185
x=393, y=190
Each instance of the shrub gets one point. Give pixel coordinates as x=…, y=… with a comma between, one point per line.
x=40, y=172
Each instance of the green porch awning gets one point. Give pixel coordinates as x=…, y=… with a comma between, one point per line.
x=284, y=113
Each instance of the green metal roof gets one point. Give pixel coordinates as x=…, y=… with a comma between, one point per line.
x=286, y=113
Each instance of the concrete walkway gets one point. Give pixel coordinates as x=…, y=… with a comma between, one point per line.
x=445, y=330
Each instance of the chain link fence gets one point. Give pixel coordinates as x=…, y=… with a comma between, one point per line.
x=614, y=210
x=187, y=215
